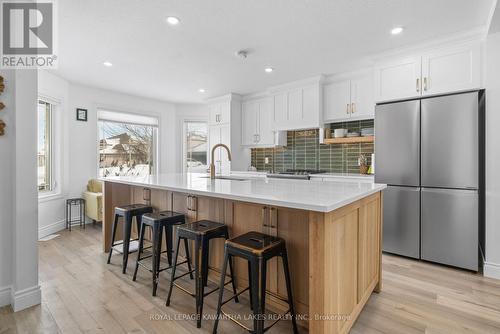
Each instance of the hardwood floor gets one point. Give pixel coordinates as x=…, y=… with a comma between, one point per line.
x=81, y=294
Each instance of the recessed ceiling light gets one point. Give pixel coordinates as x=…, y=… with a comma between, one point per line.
x=268, y=69
x=397, y=30
x=107, y=64
x=172, y=20
x=202, y=90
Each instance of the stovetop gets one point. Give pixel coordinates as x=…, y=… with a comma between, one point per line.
x=301, y=172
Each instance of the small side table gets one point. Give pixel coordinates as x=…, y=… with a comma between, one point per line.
x=80, y=203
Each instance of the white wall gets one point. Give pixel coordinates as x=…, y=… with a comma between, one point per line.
x=18, y=195
x=186, y=112
x=51, y=209
x=78, y=140
x=492, y=265
x=6, y=154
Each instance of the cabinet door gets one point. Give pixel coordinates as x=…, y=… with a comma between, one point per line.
x=213, y=111
x=398, y=79
x=337, y=97
x=293, y=226
x=225, y=138
x=310, y=106
x=363, y=103
x=225, y=112
x=295, y=105
x=249, y=125
x=451, y=70
x=280, y=109
x=214, y=139
x=265, y=119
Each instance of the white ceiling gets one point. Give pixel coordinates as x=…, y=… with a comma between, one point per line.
x=299, y=38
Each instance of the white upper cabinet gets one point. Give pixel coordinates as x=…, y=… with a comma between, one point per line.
x=349, y=99
x=297, y=105
x=220, y=113
x=249, y=125
x=445, y=70
x=337, y=97
x=362, y=100
x=280, y=108
x=265, y=122
x=451, y=70
x=257, y=119
x=398, y=79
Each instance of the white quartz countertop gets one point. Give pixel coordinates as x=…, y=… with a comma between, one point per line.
x=297, y=194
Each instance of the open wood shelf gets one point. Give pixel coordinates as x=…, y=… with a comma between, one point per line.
x=350, y=140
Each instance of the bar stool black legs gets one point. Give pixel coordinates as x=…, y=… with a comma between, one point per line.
x=201, y=232
x=257, y=249
x=159, y=222
x=127, y=212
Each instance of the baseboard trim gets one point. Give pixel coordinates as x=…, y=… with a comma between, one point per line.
x=5, y=296
x=51, y=229
x=57, y=226
x=26, y=298
x=491, y=270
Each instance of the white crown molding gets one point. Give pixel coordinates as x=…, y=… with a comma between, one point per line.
x=224, y=98
x=316, y=80
x=473, y=35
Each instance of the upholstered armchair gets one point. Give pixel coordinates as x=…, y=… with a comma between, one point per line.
x=93, y=200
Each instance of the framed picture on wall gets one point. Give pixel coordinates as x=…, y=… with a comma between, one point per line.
x=81, y=114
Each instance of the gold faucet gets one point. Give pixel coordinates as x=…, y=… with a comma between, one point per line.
x=212, y=165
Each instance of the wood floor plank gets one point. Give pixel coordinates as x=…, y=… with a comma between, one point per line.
x=82, y=294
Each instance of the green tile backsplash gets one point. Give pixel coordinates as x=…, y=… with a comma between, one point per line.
x=303, y=151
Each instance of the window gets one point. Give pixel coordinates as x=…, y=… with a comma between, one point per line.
x=195, y=146
x=127, y=144
x=45, y=147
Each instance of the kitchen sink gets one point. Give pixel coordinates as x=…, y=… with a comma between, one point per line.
x=232, y=178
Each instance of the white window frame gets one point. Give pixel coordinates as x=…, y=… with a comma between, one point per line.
x=184, y=140
x=55, y=148
x=156, y=134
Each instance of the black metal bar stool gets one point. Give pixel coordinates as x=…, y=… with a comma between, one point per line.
x=257, y=248
x=158, y=222
x=70, y=221
x=201, y=232
x=128, y=212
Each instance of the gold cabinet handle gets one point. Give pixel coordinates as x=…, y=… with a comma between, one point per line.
x=264, y=217
x=418, y=85
x=273, y=217
x=353, y=108
x=425, y=83
x=195, y=203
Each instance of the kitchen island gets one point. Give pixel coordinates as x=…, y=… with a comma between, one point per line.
x=332, y=231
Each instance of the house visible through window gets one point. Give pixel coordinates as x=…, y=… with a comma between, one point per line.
x=196, y=146
x=45, y=156
x=127, y=144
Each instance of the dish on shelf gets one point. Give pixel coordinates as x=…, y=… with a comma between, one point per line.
x=352, y=134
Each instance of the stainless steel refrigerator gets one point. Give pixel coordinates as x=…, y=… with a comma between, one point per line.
x=430, y=153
